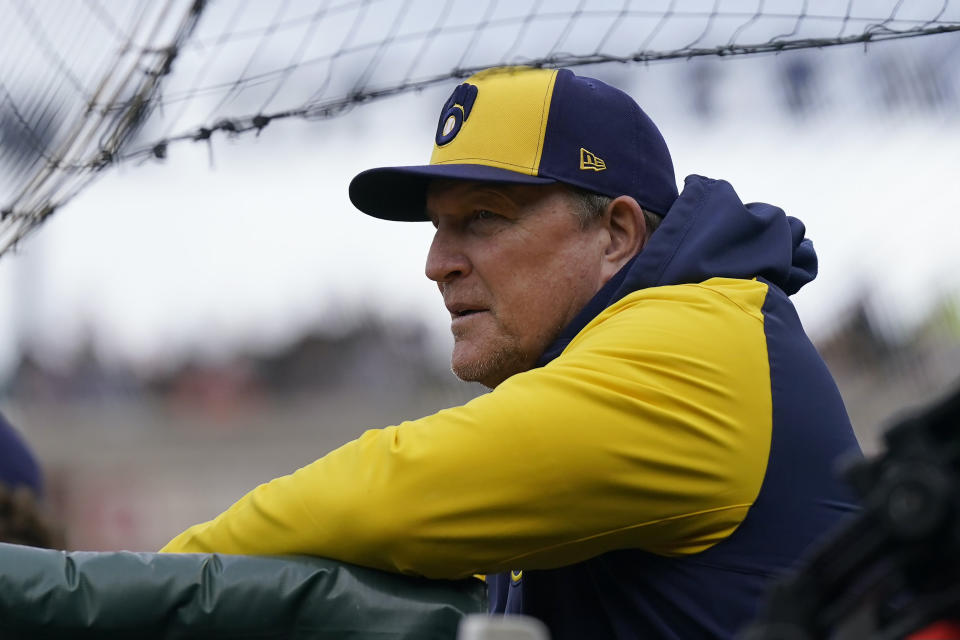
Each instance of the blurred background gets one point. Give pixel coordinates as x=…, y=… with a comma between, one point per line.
x=190, y=305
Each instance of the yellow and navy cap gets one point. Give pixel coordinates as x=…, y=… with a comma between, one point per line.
x=523, y=125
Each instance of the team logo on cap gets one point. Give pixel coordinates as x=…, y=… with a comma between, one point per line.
x=590, y=160
x=455, y=112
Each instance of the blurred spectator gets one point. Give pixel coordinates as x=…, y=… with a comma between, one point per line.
x=704, y=78
x=799, y=85
x=21, y=488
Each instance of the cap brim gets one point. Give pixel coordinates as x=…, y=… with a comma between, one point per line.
x=400, y=193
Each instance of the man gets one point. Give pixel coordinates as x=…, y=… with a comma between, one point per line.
x=660, y=437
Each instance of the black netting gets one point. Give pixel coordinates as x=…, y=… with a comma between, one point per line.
x=84, y=85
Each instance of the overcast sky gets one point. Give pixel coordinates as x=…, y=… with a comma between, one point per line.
x=159, y=260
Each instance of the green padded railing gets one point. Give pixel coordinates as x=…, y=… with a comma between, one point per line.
x=81, y=595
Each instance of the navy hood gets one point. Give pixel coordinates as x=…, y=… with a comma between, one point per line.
x=708, y=233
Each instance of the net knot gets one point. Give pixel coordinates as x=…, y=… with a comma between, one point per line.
x=104, y=158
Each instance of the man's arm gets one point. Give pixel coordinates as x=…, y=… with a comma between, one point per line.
x=651, y=431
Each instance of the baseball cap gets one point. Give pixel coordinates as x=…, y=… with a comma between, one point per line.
x=18, y=466
x=525, y=125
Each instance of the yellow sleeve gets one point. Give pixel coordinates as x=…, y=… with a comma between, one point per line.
x=650, y=431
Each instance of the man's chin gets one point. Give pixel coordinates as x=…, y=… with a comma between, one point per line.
x=489, y=368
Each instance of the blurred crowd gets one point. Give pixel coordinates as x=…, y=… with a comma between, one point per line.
x=368, y=355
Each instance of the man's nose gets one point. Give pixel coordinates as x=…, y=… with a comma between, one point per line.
x=446, y=259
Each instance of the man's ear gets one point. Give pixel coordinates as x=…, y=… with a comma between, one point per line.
x=627, y=230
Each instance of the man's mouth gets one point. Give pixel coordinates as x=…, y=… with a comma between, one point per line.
x=463, y=311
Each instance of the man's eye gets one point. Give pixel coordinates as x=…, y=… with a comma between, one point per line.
x=484, y=214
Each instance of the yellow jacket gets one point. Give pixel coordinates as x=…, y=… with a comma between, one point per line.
x=620, y=442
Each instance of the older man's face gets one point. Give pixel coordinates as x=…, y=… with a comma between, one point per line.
x=514, y=267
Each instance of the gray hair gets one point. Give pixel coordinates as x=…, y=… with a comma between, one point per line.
x=590, y=206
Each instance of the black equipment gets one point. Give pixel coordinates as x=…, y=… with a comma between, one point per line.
x=894, y=568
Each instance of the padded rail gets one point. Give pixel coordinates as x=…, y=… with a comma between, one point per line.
x=79, y=595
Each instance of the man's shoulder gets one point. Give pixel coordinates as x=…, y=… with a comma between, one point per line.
x=691, y=329
x=747, y=294
x=723, y=299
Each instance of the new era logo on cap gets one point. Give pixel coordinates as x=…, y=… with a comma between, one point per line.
x=531, y=126
x=591, y=161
